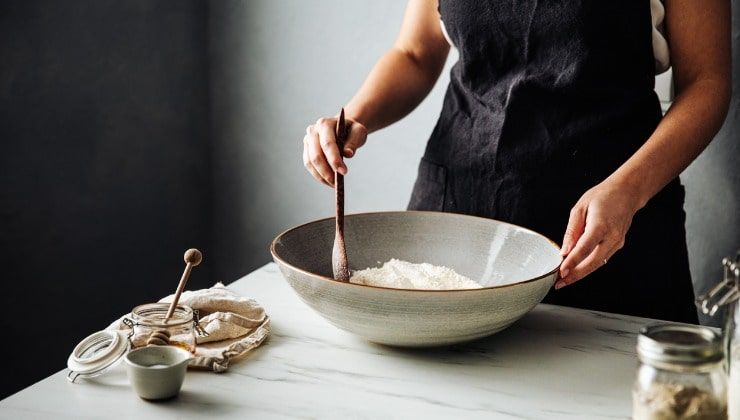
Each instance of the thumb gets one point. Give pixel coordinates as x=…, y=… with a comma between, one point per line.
x=356, y=138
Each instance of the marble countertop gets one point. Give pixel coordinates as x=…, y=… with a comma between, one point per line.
x=555, y=362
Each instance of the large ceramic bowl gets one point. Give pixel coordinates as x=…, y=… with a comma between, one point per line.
x=515, y=265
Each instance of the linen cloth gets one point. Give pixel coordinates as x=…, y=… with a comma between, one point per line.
x=235, y=325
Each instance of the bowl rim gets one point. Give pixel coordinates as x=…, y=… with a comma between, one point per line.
x=185, y=355
x=275, y=256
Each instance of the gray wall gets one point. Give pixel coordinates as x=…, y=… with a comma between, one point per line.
x=104, y=168
x=277, y=66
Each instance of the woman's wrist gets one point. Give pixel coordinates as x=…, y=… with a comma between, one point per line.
x=633, y=187
x=358, y=113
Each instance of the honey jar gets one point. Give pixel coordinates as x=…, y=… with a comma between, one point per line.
x=149, y=320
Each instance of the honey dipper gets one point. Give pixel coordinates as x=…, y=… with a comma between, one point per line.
x=192, y=258
x=158, y=338
x=339, y=263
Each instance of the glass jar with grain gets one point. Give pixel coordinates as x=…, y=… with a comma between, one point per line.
x=681, y=374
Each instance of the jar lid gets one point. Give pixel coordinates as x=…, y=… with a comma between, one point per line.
x=689, y=345
x=97, y=353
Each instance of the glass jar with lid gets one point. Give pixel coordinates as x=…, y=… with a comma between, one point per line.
x=733, y=344
x=732, y=333
x=726, y=295
x=731, y=302
x=680, y=375
x=150, y=326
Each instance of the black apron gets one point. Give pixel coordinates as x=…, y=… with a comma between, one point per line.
x=547, y=99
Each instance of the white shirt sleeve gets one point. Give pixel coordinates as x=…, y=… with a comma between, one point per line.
x=660, y=45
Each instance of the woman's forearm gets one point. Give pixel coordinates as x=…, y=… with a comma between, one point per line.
x=699, y=40
x=396, y=85
x=599, y=221
x=690, y=124
x=405, y=75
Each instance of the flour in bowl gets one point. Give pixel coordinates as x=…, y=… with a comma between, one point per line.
x=399, y=274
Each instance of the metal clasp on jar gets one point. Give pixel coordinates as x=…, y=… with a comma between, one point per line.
x=728, y=285
x=196, y=324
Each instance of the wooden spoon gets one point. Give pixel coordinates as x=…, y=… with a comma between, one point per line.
x=339, y=263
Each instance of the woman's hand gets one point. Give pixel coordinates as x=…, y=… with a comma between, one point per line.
x=596, y=230
x=321, y=155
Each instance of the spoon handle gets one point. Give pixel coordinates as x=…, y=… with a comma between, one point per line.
x=178, y=292
x=192, y=258
x=340, y=265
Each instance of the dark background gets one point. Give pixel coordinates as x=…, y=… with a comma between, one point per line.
x=132, y=130
x=104, y=167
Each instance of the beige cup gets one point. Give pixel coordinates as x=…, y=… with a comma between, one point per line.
x=157, y=372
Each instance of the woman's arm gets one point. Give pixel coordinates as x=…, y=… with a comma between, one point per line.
x=398, y=83
x=406, y=74
x=699, y=41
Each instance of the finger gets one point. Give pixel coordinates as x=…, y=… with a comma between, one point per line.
x=317, y=159
x=355, y=139
x=592, y=235
x=316, y=175
x=597, y=259
x=307, y=162
x=576, y=224
x=328, y=141
x=309, y=166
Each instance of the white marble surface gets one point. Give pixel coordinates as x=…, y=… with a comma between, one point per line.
x=554, y=363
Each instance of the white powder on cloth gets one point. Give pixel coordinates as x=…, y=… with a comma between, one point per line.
x=399, y=274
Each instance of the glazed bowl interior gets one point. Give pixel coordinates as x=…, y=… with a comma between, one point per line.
x=490, y=252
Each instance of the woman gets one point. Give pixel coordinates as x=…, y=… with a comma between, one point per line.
x=550, y=121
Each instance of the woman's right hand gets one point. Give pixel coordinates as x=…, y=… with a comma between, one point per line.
x=321, y=155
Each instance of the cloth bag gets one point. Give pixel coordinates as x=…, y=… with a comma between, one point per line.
x=235, y=326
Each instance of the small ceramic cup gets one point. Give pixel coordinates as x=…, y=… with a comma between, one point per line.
x=157, y=372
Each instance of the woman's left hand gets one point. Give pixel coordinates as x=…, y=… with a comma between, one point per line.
x=596, y=230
